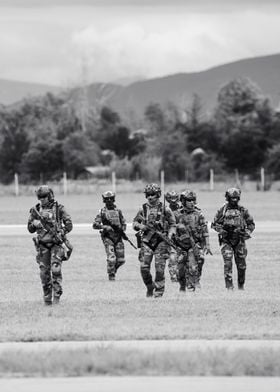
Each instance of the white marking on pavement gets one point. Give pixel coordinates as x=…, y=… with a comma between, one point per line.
x=140, y=384
x=86, y=229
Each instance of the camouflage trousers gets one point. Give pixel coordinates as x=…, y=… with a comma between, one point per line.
x=50, y=262
x=188, y=274
x=173, y=264
x=239, y=253
x=200, y=264
x=115, y=255
x=160, y=255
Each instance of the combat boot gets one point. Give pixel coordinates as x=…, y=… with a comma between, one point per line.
x=182, y=288
x=56, y=300
x=112, y=277
x=229, y=284
x=241, y=278
x=48, y=299
x=150, y=290
x=158, y=294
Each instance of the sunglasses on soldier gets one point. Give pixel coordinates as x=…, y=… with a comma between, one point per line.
x=109, y=199
x=150, y=194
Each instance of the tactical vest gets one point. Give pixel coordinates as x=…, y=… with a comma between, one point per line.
x=233, y=217
x=153, y=214
x=190, y=221
x=51, y=216
x=112, y=216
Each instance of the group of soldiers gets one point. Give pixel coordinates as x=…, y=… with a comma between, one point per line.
x=175, y=235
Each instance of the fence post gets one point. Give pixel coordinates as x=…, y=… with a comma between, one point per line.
x=237, y=179
x=113, y=181
x=16, y=185
x=162, y=182
x=65, y=183
x=211, y=180
x=187, y=175
x=262, y=179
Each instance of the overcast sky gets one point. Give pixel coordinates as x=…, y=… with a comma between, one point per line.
x=68, y=42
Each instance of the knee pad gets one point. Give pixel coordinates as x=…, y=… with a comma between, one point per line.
x=56, y=268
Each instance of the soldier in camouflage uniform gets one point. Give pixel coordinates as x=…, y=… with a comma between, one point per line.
x=107, y=217
x=151, y=218
x=234, y=225
x=51, y=222
x=172, y=197
x=191, y=233
x=202, y=243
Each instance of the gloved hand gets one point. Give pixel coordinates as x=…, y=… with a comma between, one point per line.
x=247, y=234
x=37, y=224
x=142, y=227
x=223, y=233
x=107, y=228
x=171, y=235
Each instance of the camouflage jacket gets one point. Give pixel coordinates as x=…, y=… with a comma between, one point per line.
x=55, y=215
x=176, y=210
x=192, y=222
x=106, y=217
x=158, y=216
x=232, y=222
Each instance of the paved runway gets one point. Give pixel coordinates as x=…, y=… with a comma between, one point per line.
x=86, y=229
x=143, y=345
x=142, y=384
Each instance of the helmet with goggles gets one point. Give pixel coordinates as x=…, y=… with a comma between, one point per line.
x=108, y=196
x=152, y=189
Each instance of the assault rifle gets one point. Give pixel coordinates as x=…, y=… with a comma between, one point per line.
x=122, y=234
x=192, y=243
x=51, y=228
x=229, y=230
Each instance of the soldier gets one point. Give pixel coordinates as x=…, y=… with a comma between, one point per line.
x=111, y=223
x=51, y=222
x=172, y=197
x=201, y=259
x=152, y=223
x=191, y=233
x=234, y=225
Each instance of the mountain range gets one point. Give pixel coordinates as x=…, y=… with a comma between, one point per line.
x=178, y=88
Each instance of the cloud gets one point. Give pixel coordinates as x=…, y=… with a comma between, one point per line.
x=192, y=44
x=61, y=45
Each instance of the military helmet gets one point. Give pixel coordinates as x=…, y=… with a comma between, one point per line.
x=188, y=195
x=172, y=196
x=232, y=193
x=43, y=191
x=108, y=195
x=151, y=189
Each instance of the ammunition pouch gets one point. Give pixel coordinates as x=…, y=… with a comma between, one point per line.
x=138, y=236
x=152, y=239
x=36, y=243
x=68, y=247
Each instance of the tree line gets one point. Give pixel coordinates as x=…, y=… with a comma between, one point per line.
x=49, y=135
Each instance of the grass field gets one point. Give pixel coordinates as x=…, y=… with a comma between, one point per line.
x=93, y=308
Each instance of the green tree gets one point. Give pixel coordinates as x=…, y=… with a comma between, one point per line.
x=243, y=123
x=15, y=143
x=43, y=159
x=79, y=152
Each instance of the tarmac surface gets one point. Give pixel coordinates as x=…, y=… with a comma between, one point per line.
x=143, y=345
x=142, y=384
x=86, y=229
